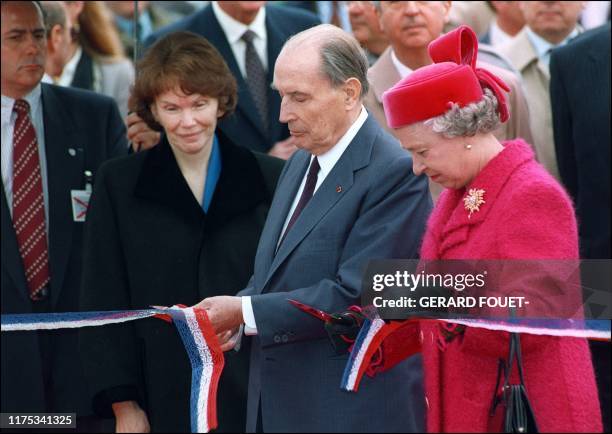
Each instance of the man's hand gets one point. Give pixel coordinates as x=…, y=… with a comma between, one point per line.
x=228, y=339
x=224, y=312
x=139, y=134
x=283, y=149
x=129, y=417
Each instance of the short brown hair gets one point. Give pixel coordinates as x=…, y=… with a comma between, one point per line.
x=186, y=60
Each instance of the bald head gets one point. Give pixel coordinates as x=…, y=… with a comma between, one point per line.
x=321, y=77
x=338, y=53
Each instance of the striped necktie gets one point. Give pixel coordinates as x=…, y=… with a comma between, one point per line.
x=28, y=203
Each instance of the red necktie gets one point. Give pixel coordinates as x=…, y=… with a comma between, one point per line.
x=28, y=203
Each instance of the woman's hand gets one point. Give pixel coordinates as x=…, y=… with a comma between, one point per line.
x=130, y=417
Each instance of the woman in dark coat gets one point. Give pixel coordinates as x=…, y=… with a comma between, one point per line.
x=171, y=225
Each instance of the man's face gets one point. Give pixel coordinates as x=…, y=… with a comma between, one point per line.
x=23, y=48
x=413, y=24
x=64, y=44
x=552, y=19
x=314, y=110
x=243, y=11
x=364, y=21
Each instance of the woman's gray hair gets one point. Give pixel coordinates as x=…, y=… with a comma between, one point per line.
x=476, y=118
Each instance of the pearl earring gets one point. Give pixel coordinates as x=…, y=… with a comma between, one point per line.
x=468, y=146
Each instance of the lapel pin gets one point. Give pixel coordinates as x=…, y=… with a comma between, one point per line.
x=71, y=152
x=473, y=200
x=339, y=189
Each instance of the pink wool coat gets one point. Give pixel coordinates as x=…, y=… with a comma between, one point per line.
x=527, y=215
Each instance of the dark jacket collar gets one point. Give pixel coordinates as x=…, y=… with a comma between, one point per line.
x=241, y=185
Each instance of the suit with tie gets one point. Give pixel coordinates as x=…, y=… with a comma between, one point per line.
x=245, y=127
x=41, y=370
x=369, y=206
x=536, y=80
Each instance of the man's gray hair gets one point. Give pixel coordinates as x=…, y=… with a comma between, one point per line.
x=476, y=118
x=341, y=55
x=54, y=14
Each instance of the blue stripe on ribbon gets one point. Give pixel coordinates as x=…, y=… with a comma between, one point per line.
x=37, y=318
x=180, y=320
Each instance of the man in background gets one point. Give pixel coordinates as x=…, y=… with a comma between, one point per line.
x=51, y=138
x=549, y=24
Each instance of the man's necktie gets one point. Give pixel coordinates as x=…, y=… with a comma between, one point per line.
x=256, y=77
x=28, y=203
x=309, y=187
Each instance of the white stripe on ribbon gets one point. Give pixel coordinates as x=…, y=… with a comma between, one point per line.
x=207, y=370
x=374, y=328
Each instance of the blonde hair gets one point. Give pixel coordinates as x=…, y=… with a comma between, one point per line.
x=98, y=35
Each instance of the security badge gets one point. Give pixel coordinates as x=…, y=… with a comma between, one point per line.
x=80, y=199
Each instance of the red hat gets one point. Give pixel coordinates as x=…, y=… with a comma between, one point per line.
x=452, y=79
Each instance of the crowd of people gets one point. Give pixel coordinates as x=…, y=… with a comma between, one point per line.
x=233, y=155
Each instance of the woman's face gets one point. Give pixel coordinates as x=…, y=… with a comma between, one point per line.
x=445, y=161
x=188, y=120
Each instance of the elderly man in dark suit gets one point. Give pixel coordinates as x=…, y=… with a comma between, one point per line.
x=51, y=138
x=580, y=97
x=249, y=36
x=347, y=196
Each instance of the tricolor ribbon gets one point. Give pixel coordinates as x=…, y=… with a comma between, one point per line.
x=375, y=330
x=193, y=326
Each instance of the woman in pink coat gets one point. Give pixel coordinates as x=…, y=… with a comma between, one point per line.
x=499, y=203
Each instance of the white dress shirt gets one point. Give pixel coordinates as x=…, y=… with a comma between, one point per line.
x=543, y=48
x=70, y=69
x=402, y=69
x=8, y=126
x=497, y=36
x=234, y=30
x=327, y=161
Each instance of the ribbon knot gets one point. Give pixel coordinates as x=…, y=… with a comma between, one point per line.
x=460, y=46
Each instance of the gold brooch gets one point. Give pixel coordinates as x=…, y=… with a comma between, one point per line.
x=473, y=200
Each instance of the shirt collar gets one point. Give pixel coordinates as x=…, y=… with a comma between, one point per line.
x=402, y=69
x=328, y=160
x=234, y=29
x=497, y=36
x=33, y=99
x=542, y=47
x=70, y=68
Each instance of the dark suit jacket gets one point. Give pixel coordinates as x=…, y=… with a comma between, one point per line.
x=370, y=206
x=580, y=98
x=245, y=127
x=150, y=243
x=90, y=124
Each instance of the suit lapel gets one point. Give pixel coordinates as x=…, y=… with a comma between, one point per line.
x=65, y=167
x=283, y=199
x=11, y=259
x=355, y=157
x=383, y=75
